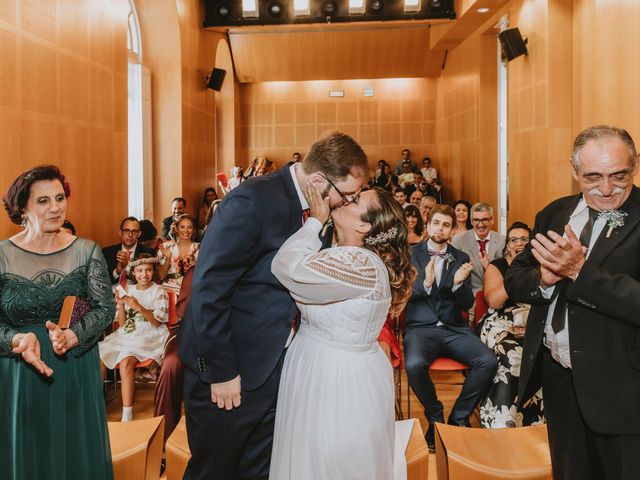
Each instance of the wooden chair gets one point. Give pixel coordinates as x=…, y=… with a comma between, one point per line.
x=492, y=454
x=177, y=453
x=481, y=307
x=136, y=448
x=440, y=364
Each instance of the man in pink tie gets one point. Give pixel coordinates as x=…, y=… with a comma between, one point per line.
x=482, y=244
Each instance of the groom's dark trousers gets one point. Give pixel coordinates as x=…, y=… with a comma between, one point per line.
x=237, y=323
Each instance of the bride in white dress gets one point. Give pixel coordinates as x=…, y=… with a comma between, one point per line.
x=335, y=412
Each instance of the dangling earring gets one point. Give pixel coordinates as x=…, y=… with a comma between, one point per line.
x=24, y=221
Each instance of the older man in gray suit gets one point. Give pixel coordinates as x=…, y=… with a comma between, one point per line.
x=482, y=244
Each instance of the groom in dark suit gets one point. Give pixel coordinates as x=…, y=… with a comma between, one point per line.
x=240, y=318
x=434, y=325
x=581, y=274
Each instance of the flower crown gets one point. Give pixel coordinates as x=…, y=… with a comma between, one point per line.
x=382, y=237
x=144, y=261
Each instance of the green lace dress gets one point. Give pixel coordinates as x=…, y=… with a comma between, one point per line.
x=53, y=428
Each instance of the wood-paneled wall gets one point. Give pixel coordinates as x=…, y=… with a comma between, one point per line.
x=606, y=66
x=279, y=118
x=198, y=48
x=539, y=99
x=63, y=100
x=466, y=127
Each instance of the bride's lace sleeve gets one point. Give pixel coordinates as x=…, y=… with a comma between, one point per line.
x=322, y=277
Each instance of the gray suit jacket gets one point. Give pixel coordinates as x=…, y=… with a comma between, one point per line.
x=468, y=244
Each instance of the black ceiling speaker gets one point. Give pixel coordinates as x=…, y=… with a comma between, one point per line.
x=513, y=45
x=216, y=78
x=376, y=6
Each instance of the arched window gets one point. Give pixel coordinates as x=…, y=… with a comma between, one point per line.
x=140, y=173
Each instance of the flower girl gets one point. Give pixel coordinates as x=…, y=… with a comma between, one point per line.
x=141, y=313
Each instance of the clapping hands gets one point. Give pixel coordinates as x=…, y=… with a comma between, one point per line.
x=462, y=273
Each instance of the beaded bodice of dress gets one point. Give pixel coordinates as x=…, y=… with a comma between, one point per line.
x=353, y=321
x=33, y=287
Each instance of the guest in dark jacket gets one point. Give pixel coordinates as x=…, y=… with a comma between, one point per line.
x=434, y=325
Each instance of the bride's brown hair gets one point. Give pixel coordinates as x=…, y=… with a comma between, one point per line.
x=388, y=239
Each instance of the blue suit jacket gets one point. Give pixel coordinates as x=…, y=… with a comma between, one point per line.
x=441, y=304
x=239, y=316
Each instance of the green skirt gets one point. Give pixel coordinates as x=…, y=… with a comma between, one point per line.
x=53, y=428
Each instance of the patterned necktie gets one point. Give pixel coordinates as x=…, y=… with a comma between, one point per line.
x=483, y=246
x=305, y=214
x=559, y=313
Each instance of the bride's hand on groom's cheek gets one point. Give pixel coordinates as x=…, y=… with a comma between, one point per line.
x=318, y=206
x=226, y=394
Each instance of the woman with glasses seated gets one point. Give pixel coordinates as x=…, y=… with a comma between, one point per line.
x=502, y=329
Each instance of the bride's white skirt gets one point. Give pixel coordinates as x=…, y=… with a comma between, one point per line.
x=335, y=413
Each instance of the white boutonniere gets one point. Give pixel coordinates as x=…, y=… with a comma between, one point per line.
x=448, y=259
x=614, y=219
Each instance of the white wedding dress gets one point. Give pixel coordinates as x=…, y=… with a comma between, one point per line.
x=335, y=412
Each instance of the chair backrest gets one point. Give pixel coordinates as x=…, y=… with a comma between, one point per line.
x=481, y=306
x=173, y=316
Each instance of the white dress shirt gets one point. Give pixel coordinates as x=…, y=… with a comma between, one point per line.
x=558, y=343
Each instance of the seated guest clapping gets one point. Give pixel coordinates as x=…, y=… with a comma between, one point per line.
x=434, y=325
x=141, y=312
x=178, y=206
x=386, y=179
x=180, y=255
x=415, y=225
x=209, y=197
x=117, y=256
x=502, y=329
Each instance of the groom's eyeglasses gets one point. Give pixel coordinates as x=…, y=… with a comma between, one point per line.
x=348, y=198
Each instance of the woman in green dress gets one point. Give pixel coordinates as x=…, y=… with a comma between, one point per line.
x=52, y=415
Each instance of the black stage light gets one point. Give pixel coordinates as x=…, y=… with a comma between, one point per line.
x=275, y=9
x=377, y=6
x=329, y=8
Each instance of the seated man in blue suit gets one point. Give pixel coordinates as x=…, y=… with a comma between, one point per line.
x=434, y=325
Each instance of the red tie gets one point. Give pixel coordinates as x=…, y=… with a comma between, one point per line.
x=305, y=214
x=483, y=246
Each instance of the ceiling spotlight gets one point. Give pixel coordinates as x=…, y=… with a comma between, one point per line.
x=275, y=9
x=301, y=8
x=356, y=7
x=224, y=10
x=483, y=10
x=249, y=8
x=329, y=8
x=377, y=6
x=411, y=6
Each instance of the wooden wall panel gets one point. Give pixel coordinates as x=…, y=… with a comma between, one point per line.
x=466, y=122
x=198, y=57
x=540, y=108
x=46, y=88
x=384, y=124
x=330, y=52
x=606, y=69
x=9, y=70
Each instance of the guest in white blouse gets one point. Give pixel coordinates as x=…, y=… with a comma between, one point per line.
x=335, y=409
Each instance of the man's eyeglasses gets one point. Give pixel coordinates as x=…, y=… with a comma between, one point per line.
x=484, y=221
x=130, y=232
x=515, y=240
x=346, y=197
